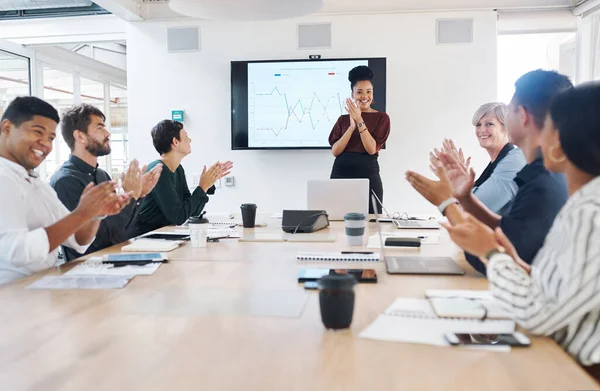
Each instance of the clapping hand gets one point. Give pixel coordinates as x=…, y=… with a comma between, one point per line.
x=225, y=168
x=435, y=192
x=101, y=200
x=472, y=236
x=214, y=173
x=131, y=180
x=150, y=179
x=460, y=177
x=449, y=148
x=354, y=111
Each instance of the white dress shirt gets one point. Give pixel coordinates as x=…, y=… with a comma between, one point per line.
x=561, y=296
x=27, y=206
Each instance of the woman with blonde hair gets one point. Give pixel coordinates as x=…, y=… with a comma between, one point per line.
x=495, y=187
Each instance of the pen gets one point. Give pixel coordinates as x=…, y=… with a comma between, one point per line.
x=357, y=252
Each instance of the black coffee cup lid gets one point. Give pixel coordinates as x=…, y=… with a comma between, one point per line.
x=337, y=281
x=197, y=220
x=248, y=206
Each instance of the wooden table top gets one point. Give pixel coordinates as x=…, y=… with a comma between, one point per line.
x=232, y=317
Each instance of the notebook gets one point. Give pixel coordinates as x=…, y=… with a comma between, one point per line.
x=414, y=321
x=97, y=268
x=223, y=232
x=465, y=304
x=343, y=257
x=152, y=245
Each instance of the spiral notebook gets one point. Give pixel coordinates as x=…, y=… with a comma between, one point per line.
x=466, y=304
x=414, y=321
x=339, y=257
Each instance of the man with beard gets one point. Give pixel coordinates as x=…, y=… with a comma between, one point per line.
x=85, y=133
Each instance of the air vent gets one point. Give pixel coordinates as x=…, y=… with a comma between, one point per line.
x=314, y=36
x=183, y=39
x=454, y=31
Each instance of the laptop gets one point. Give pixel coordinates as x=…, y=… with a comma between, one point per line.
x=415, y=265
x=407, y=223
x=338, y=196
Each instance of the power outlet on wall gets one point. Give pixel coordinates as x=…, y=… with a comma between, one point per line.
x=229, y=181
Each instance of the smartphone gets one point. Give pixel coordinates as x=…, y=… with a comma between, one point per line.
x=514, y=339
x=403, y=242
x=361, y=275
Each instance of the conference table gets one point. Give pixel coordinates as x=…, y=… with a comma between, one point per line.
x=232, y=316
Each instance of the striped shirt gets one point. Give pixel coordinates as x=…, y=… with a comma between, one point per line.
x=561, y=297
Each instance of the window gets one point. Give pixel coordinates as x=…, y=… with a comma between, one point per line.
x=521, y=53
x=119, y=129
x=596, y=49
x=58, y=91
x=92, y=92
x=14, y=78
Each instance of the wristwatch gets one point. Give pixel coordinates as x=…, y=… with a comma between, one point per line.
x=360, y=125
x=492, y=252
x=444, y=205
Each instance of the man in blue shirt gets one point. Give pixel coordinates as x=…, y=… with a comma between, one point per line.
x=541, y=193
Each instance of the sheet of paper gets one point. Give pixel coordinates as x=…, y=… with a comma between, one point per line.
x=413, y=321
x=262, y=237
x=80, y=282
x=101, y=269
x=426, y=239
x=312, y=237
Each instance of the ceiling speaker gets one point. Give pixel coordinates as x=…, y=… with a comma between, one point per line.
x=451, y=31
x=183, y=39
x=314, y=36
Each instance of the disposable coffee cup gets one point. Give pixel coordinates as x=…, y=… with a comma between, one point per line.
x=198, y=231
x=248, y=215
x=355, y=228
x=336, y=299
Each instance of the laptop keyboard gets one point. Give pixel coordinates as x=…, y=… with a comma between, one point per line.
x=408, y=223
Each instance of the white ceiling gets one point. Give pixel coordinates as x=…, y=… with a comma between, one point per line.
x=245, y=9
x=365, y=6
x=159, y=9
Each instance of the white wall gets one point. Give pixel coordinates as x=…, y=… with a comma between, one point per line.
x=432, y=92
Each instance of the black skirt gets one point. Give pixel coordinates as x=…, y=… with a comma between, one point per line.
x=355, y=165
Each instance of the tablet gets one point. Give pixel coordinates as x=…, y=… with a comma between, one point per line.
x=167, y=236
x=134, y=258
